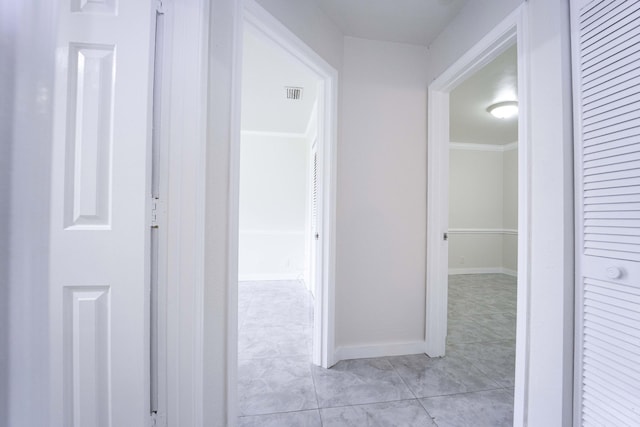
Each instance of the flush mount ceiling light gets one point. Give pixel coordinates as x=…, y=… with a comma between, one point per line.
x=504, y=110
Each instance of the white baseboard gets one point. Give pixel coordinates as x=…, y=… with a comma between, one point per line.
x=270, y=277
x=483, y=270
x=509, y=272
x=382, y=350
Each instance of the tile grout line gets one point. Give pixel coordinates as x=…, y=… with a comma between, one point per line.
x=315, y=392
x=402, y=379
x=313, y=377
x=414, y=394
x=425, y=410
x=369, y=403
x=277, y=413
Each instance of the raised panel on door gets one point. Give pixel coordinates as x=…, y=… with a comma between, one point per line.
x=606, y=72
x=99, y=236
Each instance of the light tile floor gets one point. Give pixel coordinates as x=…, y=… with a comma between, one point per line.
x=471, y=386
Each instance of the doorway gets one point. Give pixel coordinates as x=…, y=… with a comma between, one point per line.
x=277, y=228
x=505, y=36
x=482, y=226
x=319, y=136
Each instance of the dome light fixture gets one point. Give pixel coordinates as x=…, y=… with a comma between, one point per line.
x=504, y=110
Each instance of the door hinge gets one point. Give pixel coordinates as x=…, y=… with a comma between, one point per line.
x=445, y=236
x=157, y=212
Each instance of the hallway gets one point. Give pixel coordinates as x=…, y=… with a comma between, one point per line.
x=472, y=385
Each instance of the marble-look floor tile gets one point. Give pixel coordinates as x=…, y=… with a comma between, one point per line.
x=272, y=289
x=493, y=408
x=404, y=413
x=277, y=390
x=275, y=385
x=277, y=315
x=353, y=382
x=274, y=341
x=503, y=324
x=440, y=376
x=495, y=359
x=286, y=419
x=465, y=329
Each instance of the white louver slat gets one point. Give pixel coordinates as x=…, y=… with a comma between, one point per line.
x=606, y=45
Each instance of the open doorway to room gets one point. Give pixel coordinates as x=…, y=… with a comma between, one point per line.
x=478, y=223
x=283, y=253
x=483, y=228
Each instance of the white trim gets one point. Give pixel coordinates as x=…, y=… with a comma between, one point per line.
x=233, y=212
x=474, y=146
x=270, y=277
x=511, y=30
x=510, y=146
x=437, y=224
x=510, y=231
x=578, y=183
x=273, y=134
x=307, y=130
x=483, y=270
x=381, y=350
x=521, y=386
x=257, y=19
x=184, y=102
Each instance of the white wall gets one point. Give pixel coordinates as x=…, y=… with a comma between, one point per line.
x=274, y=194
x=307, y=21
x=549, y=362
x=474, y=21
x=475, y=189
x=483, y=209
x=266, y=70
x=381, y=196
x=26, y=84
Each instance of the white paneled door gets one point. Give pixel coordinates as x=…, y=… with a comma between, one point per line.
x=99, y=231
x=606, y=47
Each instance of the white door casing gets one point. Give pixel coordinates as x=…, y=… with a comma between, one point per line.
x=99, y=310
x=512, y=30
x=265, y=25
x=606, y=78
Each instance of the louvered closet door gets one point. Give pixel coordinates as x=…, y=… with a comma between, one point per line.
x=606, y=43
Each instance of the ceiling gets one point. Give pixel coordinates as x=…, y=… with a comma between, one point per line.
x=266, y=70
x=496, y=82
x=403, y=21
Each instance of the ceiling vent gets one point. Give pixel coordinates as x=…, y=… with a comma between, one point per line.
x=294, y=92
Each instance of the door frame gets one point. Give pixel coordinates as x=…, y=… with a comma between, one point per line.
x=512, y=30
x=258, y=20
